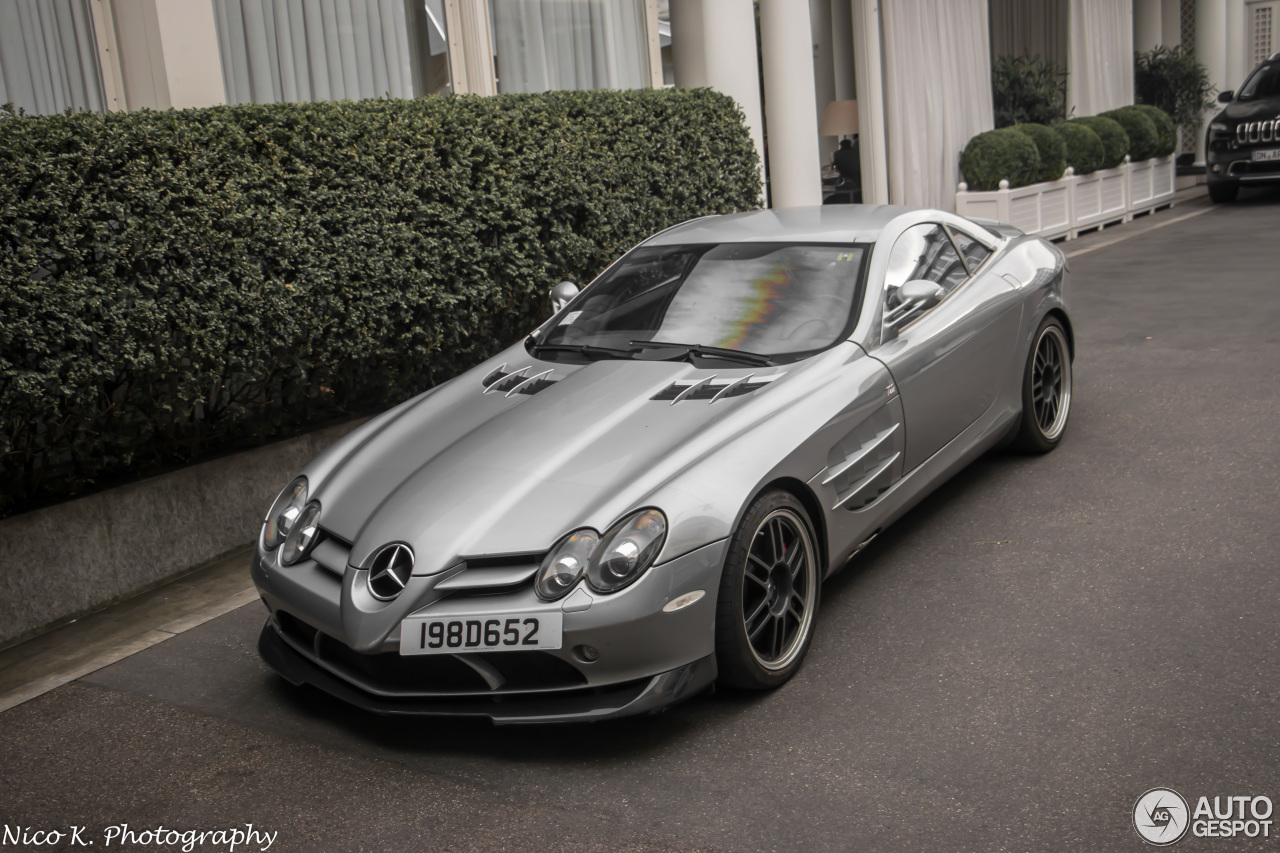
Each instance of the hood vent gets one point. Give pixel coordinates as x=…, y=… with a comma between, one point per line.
x=712, y=389
x=520, y=381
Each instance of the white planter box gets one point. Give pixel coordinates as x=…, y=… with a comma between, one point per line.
x=1100, y=197
x=1042, y=209
x=1075, y=203
x=1151, y=184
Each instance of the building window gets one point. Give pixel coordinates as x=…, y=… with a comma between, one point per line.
x=542, y=45
x=306, y=50
x=48, y=56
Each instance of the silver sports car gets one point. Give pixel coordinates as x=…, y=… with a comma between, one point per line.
x=643, y=497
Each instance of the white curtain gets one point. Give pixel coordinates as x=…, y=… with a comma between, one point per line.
x=48, y=56
x=937, y=94
x=543, y=45
x=313, y=50
x=1100, y=73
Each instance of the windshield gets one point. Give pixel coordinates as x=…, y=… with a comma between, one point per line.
x=1264, y=82
x=773, y=299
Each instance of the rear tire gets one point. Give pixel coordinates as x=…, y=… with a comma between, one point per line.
x=769, y=592
x=1046, y=390
x=1223, y=192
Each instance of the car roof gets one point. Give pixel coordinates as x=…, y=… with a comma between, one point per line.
x=832, y=223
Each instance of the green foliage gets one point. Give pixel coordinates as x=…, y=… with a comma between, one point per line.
x=1115, y=142
x=1144, y=139
x=1028, y=89
x=1171, y=79
x=1166, y=130
x=1050, y=147
x=1084, y=149
x=175, y=284
x=1000, y=155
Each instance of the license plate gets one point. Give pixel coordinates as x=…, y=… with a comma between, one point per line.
x=1270, y=154
x=451, y=635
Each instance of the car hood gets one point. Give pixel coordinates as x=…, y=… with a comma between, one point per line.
x=1260, y=109
x=461, y=472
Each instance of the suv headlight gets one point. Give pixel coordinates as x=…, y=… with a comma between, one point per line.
x=284, y=513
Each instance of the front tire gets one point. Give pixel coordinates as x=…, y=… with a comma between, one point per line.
x=1223, y=192
x=769, y=592
x=1046, y=390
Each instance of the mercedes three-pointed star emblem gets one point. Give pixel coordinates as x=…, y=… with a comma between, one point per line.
x=390, y=571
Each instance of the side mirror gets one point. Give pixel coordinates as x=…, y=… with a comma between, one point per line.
x=921, y=293
x=561, y=294
x=1225, y=97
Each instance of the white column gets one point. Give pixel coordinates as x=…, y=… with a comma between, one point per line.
x=1239, y=58
x=713, y=43
x=471, y=67
x=871, y=123
x=1211, y=52
x=1171, y=22
x=193, y=64
x=795, y=170
x=1148, y=24
x=824, y=71
x=842, y=49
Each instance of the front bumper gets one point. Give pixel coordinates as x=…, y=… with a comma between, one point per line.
x=327, y=631
x=1238, y=166
x=584, y=705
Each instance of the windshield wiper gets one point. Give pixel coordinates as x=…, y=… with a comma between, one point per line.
x=584, y=349
x=705, y=352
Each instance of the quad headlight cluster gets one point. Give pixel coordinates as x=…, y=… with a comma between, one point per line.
x=609, y=562
x=292, y=523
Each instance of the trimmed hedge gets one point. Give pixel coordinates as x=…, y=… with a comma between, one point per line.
x=1144, y=139
x=1084, y=148
x=1166, y=130
x=1115, y=142
x=177, y=284
x=1050, y=147
x=997, y=155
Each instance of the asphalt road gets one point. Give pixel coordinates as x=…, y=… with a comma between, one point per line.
x=1007, y=668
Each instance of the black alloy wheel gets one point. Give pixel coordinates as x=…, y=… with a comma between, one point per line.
x=769, y=594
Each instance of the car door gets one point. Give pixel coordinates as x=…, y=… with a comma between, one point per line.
x=948, y=360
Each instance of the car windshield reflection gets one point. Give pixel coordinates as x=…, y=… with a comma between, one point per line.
x=775, y=301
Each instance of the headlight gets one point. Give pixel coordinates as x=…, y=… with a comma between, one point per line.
x=1219, y=127
x=302, y=536
x=284, y=512
x=626, y=550
x=564, y=566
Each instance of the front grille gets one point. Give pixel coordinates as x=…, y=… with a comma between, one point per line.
x=1255, y=132
x=493, y=575
x=331, y=553
x=389, y=673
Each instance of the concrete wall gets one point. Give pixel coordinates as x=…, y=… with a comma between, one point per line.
x=66, y=560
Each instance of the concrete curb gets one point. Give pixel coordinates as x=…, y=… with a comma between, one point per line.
x=66, y=560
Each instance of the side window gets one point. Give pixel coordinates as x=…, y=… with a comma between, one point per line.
x=974, y=252
x=922, y=252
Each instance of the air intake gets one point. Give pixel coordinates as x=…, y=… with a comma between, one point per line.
x=517, y=382
x=712, y=389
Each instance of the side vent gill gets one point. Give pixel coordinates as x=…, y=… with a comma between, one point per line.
x=521, y=381
x=712, y=389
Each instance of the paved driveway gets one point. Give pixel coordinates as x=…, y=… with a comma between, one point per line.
x=1008, y=668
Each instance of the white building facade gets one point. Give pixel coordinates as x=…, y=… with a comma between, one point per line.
x=916, y=73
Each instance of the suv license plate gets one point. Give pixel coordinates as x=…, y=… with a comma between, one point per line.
x=451, y=635
x=1270, y=154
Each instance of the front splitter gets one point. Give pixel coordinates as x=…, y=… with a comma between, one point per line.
x=588, y=705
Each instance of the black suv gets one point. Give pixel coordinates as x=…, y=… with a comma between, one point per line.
x=1243, y=141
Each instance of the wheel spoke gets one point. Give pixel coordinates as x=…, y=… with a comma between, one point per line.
x=776, y=645
x=752, y=633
